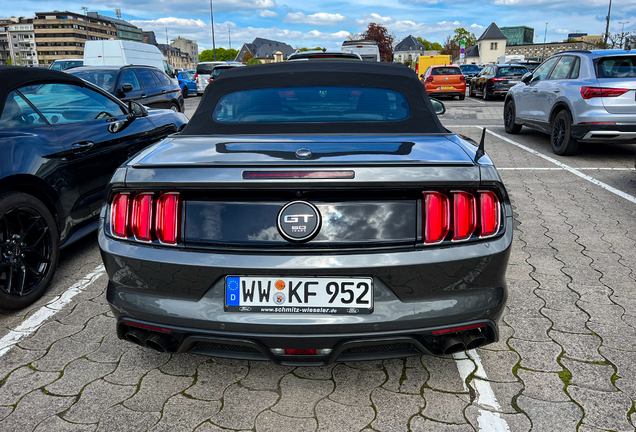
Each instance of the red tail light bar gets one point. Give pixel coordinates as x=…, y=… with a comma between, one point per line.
x=594, y=92
x=459, y=215
x=132, y=215
x=462, y=78
x=430, y=79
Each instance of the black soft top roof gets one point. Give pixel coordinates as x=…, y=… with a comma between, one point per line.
x=300, y=74
x=14, y=77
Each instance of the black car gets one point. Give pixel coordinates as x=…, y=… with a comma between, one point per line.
x=144, y=84
x=309, y=212
x=496, y=80
x=61, y=140
x=469, y=70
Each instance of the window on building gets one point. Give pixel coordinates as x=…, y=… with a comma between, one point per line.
x=493, y=45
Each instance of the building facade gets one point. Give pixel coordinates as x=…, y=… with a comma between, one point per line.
x=175, y=57
x=518, y=35
x=125, y=30
x=265, y=50
x=536, y=51
x=491, y=44
x=189, y=47
x=63, y=34
x=408, y=50
x=17, y=42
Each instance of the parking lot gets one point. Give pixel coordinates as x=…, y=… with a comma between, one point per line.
x=566, y=359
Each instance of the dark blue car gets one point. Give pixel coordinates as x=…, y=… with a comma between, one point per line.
x=61, y=140
x=187, y=83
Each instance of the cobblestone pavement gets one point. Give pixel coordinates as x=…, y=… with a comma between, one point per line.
x=566, y=360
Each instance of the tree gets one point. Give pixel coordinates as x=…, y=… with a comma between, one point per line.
x=9, y=63
x=451, y=47
x=247, y=57
x=430, y=46
x=461, y=34
x=253, y=61
x=221, y=54
x=303, y=49
x=380, y=34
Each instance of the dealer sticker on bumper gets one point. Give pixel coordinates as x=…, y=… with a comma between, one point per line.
x=321, y=295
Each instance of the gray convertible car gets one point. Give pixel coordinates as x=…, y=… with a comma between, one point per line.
x=310, y=212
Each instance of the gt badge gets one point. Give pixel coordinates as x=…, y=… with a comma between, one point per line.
x=298, y=221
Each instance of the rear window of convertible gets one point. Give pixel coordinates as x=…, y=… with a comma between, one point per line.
x=311, y=104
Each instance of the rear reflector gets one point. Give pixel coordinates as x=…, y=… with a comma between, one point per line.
x=594, y=92
x=490, y=213
x=464, y=215
x=119, y=215
x=142, y=216
x=301, y=352
x=250, y=175
x=166, y=222
x=147, y=327
x=457, y=329
x=436, y=217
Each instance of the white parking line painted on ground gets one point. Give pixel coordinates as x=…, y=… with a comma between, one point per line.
x=561, y=169
x=489, y=421
x=574, y=171
x=33, y=323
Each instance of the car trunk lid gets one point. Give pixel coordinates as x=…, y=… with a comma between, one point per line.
x=624, y=103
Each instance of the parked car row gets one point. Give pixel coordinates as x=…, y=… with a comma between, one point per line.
x=62, y=139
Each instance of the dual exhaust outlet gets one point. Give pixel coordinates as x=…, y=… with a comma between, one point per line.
x=154, y=341
x=465, y=341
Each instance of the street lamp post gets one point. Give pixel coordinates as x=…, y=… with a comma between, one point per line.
x=609, y=12
x=623, y=31
x=545, y=36
x=212, y=25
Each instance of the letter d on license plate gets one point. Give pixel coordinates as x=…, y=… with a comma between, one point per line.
x=316, y=295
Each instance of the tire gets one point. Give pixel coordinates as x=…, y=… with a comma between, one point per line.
x=487, y=96
x=471, y=93
x=561, y=135
x=185, y=92
x=462, y=97
x=510, y=114
x=174, y=107
x=30, y=249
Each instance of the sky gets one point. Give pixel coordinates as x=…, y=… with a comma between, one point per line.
x=327, y=23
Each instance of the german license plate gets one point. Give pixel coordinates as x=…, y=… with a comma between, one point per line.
x=446, y=87
x=301, y=295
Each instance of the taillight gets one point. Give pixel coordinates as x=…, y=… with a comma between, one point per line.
x=462, y=78
x=436, y=217
x=179, y=82
x=464, y=215
x=490, y=213
x=429, y=79
x=166, y=223
x=196, y=78
x=141, y=220
x=500, y=79
x=594, y=92
x=119, y=215
x=459, y=215
x=133, y=214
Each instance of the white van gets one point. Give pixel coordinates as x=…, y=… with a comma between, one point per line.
x=123, y=53
x=367, y=49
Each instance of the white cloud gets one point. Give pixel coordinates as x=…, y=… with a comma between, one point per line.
x=320, y=18
x=476, y=27
x=182, y=23
x=407, y=26
x=562, y=31
x=267, y=13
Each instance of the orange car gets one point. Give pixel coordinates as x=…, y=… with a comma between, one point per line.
x=445, y=81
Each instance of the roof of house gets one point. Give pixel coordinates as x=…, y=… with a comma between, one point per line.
x=409, y=43
x=472, y=51
x=265, y=48
x=492, y=32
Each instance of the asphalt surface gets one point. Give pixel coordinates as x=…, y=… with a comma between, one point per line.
x=566, y=360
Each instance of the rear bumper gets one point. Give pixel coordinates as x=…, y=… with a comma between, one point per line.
x=604, y=133
x=414, y=291
x=343, y=347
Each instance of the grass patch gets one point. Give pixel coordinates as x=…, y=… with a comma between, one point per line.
x=565, y=376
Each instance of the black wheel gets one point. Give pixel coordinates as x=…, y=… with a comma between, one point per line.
x=29, y=249
x=471, y=93
x=509, y=118
x=174, y=107
x=487, y=96
x=185, y=92
x=561, y=136
x=462, y=97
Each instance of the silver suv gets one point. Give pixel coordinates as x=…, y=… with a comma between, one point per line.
x=578, y=95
